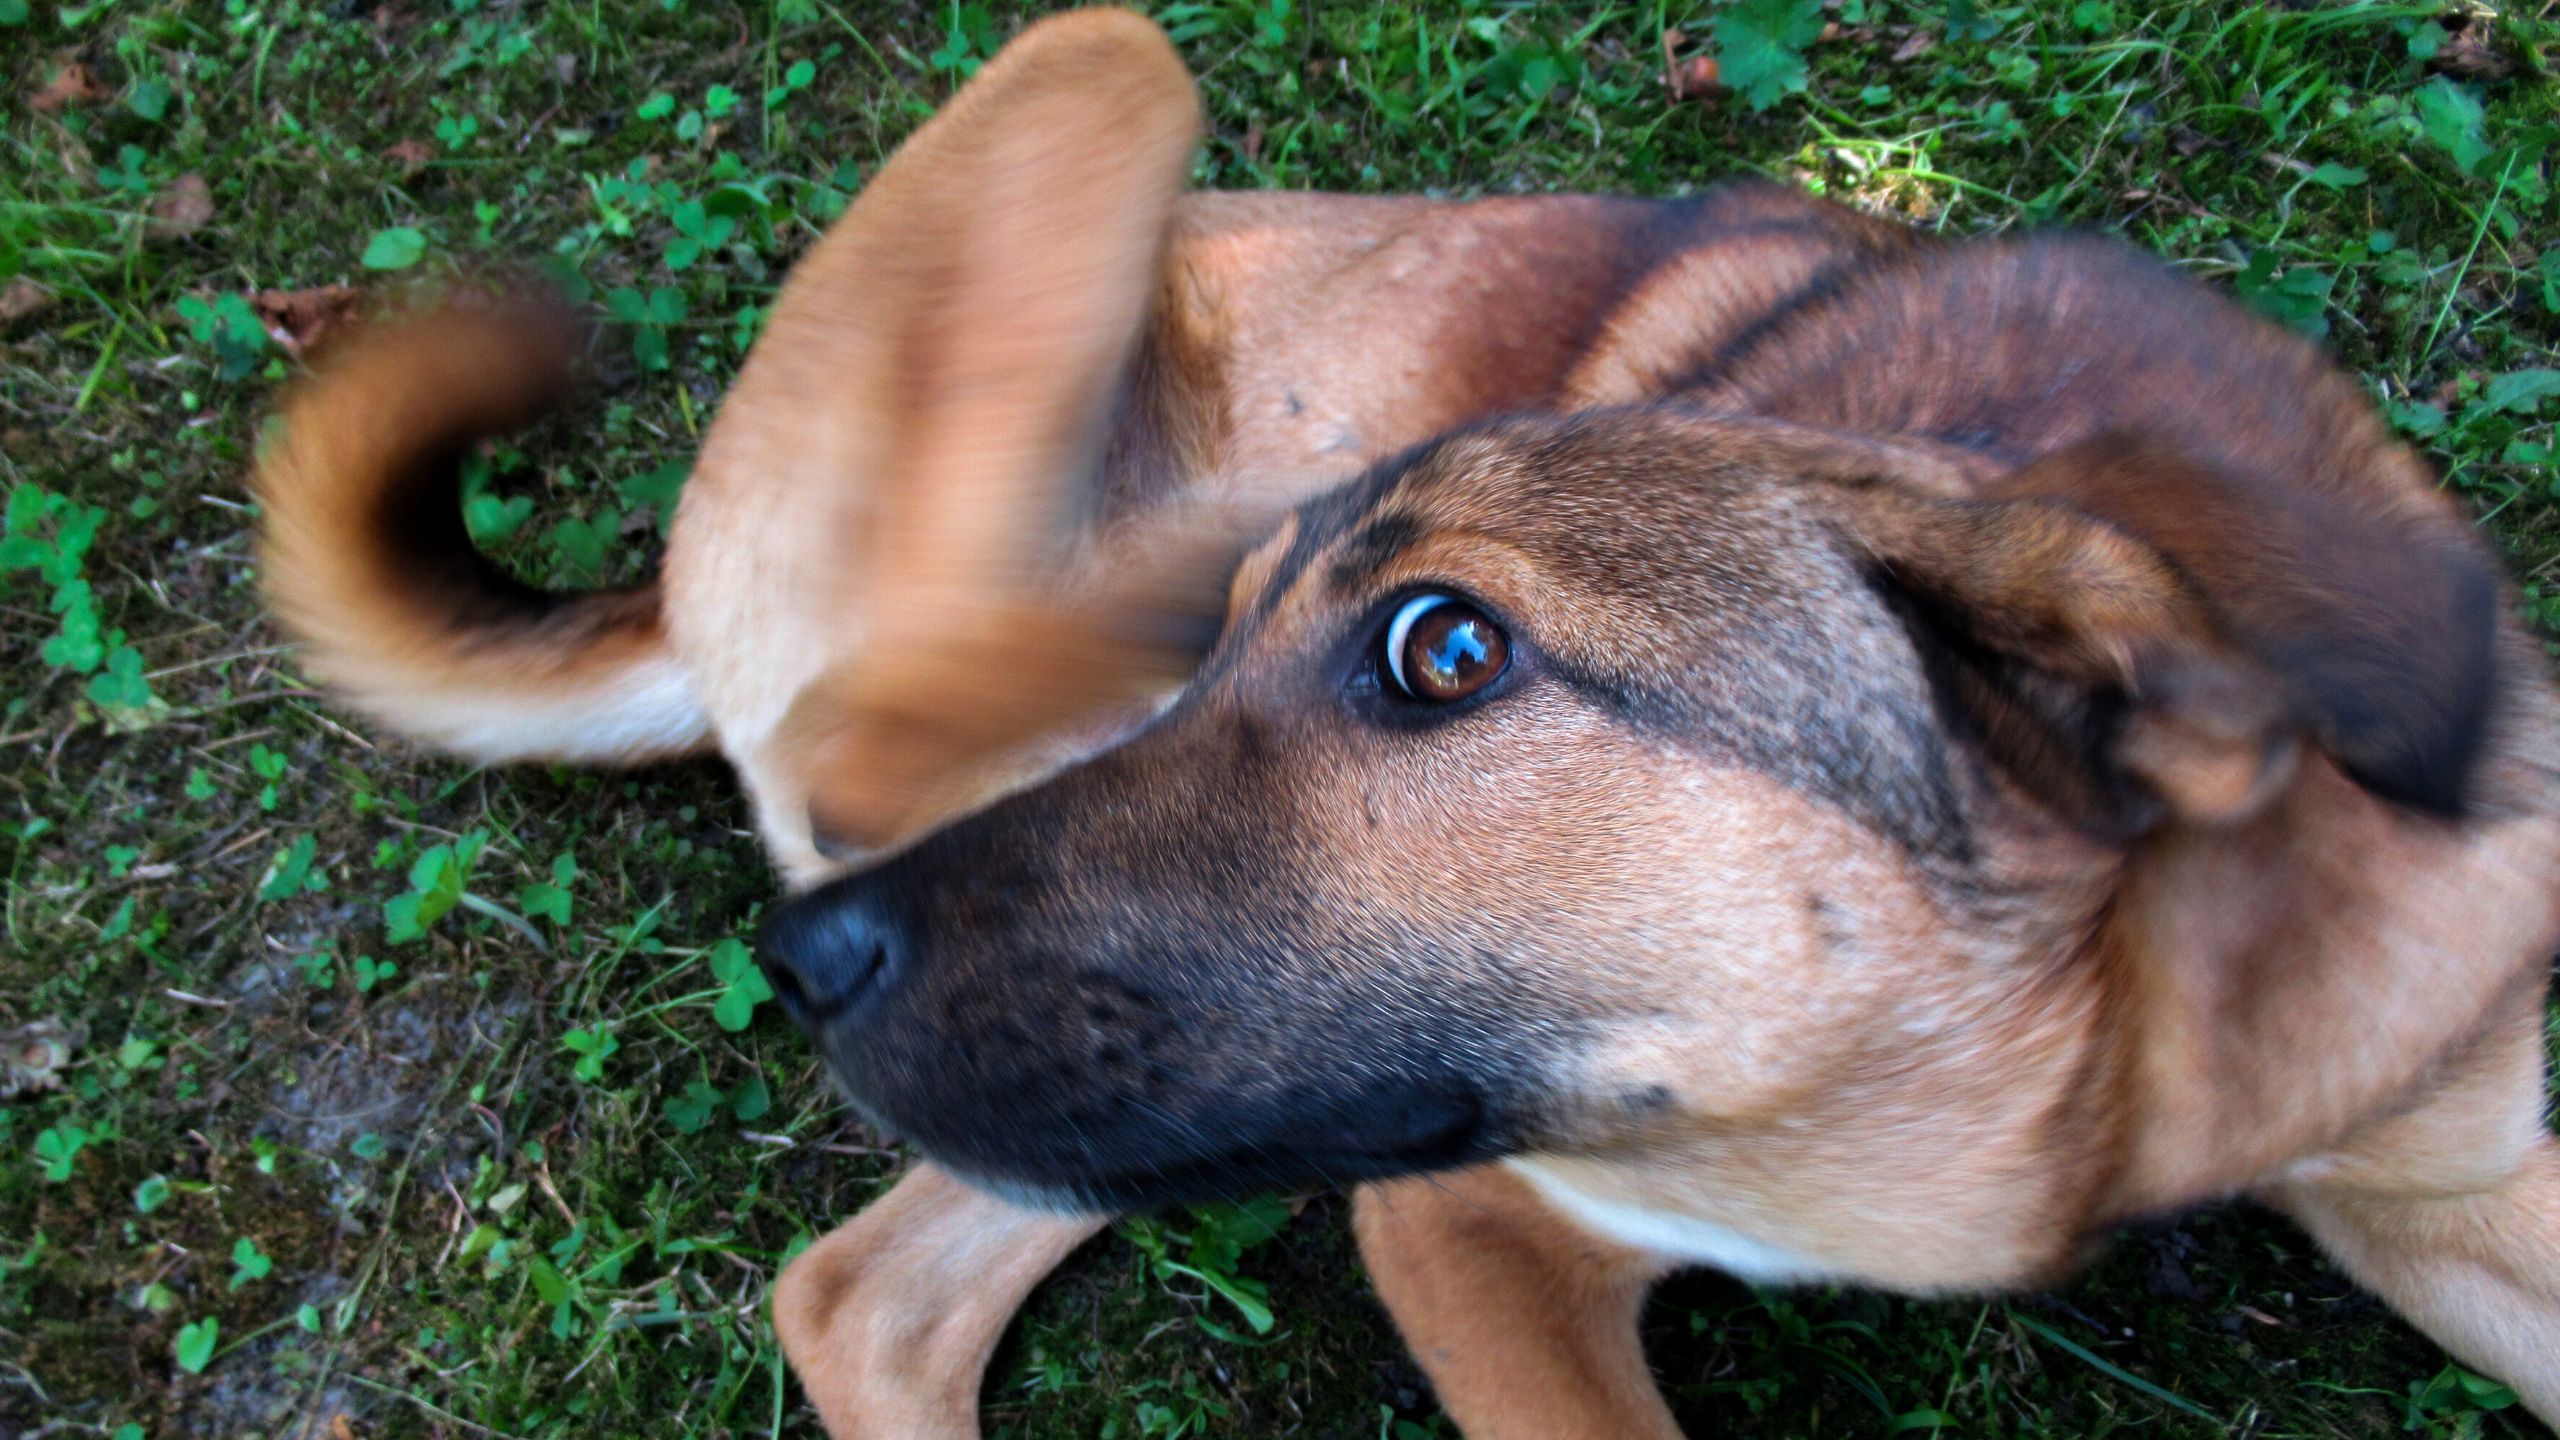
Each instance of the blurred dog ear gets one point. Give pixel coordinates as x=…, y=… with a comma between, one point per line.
x=944, y=361
x=1031, y=219
x=941, y=369
x=1008, y=685
x=2137, y=637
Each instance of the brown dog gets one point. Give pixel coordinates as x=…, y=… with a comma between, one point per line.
x=1891, y=758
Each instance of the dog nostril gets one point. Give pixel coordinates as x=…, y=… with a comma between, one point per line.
x=865, y=964
x=821, y=953
x=785, y=982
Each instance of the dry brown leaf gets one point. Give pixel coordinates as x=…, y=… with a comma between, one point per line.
x=1914, y=45
x=2178, y=203
x=33, y=1055
x=411, y=155
x=299, y=319
x=2472, y=53
x=1696, y=78
x=21, y=299
x=71, y=85
x=1699, y=79
x=180, y=210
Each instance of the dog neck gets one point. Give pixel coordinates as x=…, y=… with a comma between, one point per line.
x=2224, y=954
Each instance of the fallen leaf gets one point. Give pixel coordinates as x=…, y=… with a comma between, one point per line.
x=1253, y=144
x=180, y=210
x=1914, y=45
x=1700, y=78
x=22, y=298
x=2471, y=55
x=71, y=85
x=412, y=155
x=1696, y=78
x=32, y=1057
x=2178, y=203
x=299, y=319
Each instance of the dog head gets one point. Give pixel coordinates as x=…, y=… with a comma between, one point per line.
x=1597, y=787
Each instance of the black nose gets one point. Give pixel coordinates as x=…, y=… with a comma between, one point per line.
x=825, y=950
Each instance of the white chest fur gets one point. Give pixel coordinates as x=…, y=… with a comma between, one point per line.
x=1674, y=1236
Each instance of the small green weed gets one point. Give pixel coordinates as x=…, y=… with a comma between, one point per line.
x=1218, y=1239
x=49, y=537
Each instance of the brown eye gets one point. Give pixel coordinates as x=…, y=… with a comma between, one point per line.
x=1440, y=649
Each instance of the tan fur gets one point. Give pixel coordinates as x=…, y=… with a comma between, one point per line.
x=930, y=370
x=952, y=1267
x=410, y=634
x=929, y=551
x=2451, y=1210
x=1525, y=1323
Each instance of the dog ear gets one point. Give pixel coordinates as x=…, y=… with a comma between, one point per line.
x=2137, y=636
x=904, y=736
x=941, y=368
x=967, y=323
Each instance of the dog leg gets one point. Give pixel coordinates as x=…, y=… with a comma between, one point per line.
x=889, y=1320
x=1525, y=1323
x=2451, y=1212
x=2480, y=1272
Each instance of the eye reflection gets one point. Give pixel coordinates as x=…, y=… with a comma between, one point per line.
x=1441, y=649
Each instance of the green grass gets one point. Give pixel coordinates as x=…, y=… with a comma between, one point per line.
x=437, y=1098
